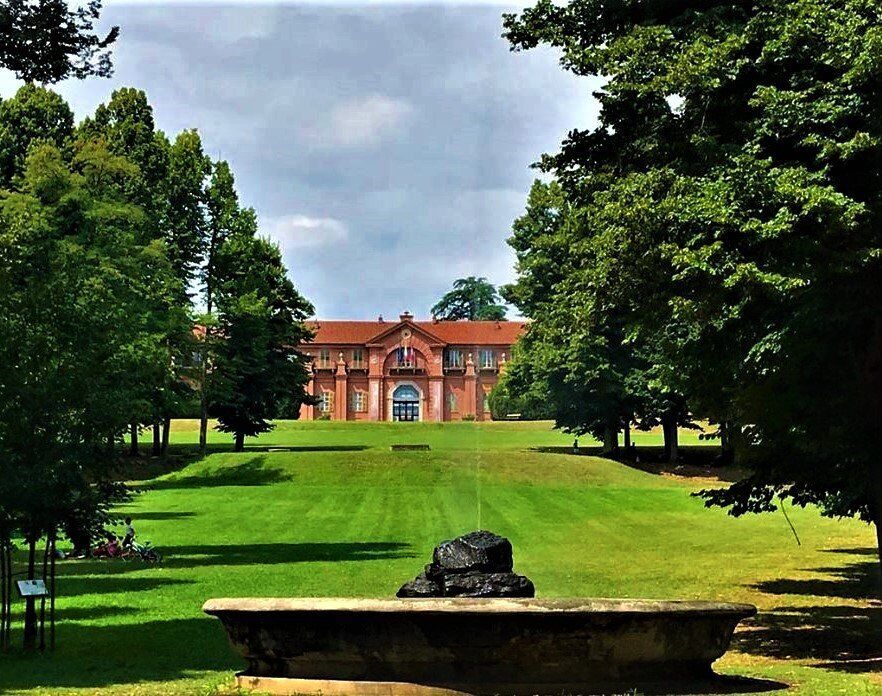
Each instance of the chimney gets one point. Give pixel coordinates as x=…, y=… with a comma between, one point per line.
x=380, y=318
x=405, y=316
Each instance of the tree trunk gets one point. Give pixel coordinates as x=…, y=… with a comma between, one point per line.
x=157, y=440
x=240, y=442
x=30, y=626
x=166, y=427
x=627, y=435
x=52, y=594
x=4, y=603
x=7, y=628
x=669, y=427
x=203, y=426
x=133, y=448
x=876, y=509
x=610, y=440
x=43, y=599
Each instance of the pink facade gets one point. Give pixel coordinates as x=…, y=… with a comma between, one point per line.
x=406, y=370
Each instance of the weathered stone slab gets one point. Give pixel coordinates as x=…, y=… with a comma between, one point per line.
x=477, y=646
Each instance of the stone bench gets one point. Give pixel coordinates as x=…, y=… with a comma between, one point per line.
x=430, y=647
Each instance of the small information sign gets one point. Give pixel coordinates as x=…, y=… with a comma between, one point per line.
x=32, y=588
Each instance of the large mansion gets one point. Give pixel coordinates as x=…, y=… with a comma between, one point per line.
x=406, y=370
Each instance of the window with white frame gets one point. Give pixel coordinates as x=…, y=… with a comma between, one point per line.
x=326, y=401
x=453, y=357
x=452, y=404
x=487, y=359
x=357, y=357
x=359, y=401
x=325, y=357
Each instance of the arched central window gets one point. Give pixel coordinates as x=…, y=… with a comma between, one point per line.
x=406, y=392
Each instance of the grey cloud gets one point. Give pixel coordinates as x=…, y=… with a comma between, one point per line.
x=399, y=136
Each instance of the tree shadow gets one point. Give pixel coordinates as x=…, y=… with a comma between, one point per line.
x=201, y=555
x=841, y=637
x=159, y=516
x=250, y=473
x=93, y=657
x=696, y=461
x=72, y=585
x=855, y=581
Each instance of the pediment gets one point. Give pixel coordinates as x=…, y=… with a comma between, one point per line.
x=427, y=336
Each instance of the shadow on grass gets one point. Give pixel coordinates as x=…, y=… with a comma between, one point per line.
x=158, y=516
x=92, y=657
x=144, y=468
x=250, y=473
x=73, y=585
x=201, y=555
x=696, y=461
x=844, y=638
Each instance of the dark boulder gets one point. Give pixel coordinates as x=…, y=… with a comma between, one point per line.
x=487, y=585
x=481, y=551
x=478, y=564
x=421, y=586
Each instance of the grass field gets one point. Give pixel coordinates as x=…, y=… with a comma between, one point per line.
x=324, y=509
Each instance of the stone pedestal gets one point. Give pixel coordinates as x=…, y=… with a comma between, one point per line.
x=519, y=647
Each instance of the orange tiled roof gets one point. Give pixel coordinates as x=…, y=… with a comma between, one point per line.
x=503, y=333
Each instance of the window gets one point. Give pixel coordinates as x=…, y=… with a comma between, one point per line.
x=406, y=356
x=359, y=401
x=326, y=402
x=452, y=404
x=357, y=358
x=488, y=359
x=325, y=357
x=453, y=358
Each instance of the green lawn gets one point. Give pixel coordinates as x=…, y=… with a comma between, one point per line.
x=334, y=512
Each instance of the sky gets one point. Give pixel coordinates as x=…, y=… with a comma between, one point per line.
x=385, y=147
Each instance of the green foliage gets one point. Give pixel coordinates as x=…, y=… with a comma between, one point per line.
x=76, y=292
x=726, y=225
x=33, y=115
x=257, y=365
x=527, y=404
x=186, y=226
x=471, y=298
x=46, y=41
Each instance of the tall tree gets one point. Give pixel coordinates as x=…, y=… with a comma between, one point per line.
x=734, y=182
x=186, y=228
x=46, y=41
x=76, y=291
x=225, y=218
x=261, y=321
x=33, y=115
x=471, y=298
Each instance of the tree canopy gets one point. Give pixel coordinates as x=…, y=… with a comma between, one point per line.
x=471, y=298
x=722, y=224
x=46, y=41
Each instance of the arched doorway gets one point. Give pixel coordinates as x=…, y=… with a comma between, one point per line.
x=405, y=403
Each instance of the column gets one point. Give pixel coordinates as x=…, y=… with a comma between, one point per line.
x=341, y=393
x=436, y=399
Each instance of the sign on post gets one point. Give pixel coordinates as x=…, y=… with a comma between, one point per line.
x=28, y=589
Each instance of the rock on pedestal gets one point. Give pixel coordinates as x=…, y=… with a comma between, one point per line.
x=478, y=564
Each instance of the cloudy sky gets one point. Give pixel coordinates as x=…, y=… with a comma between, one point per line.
x=385, y=147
